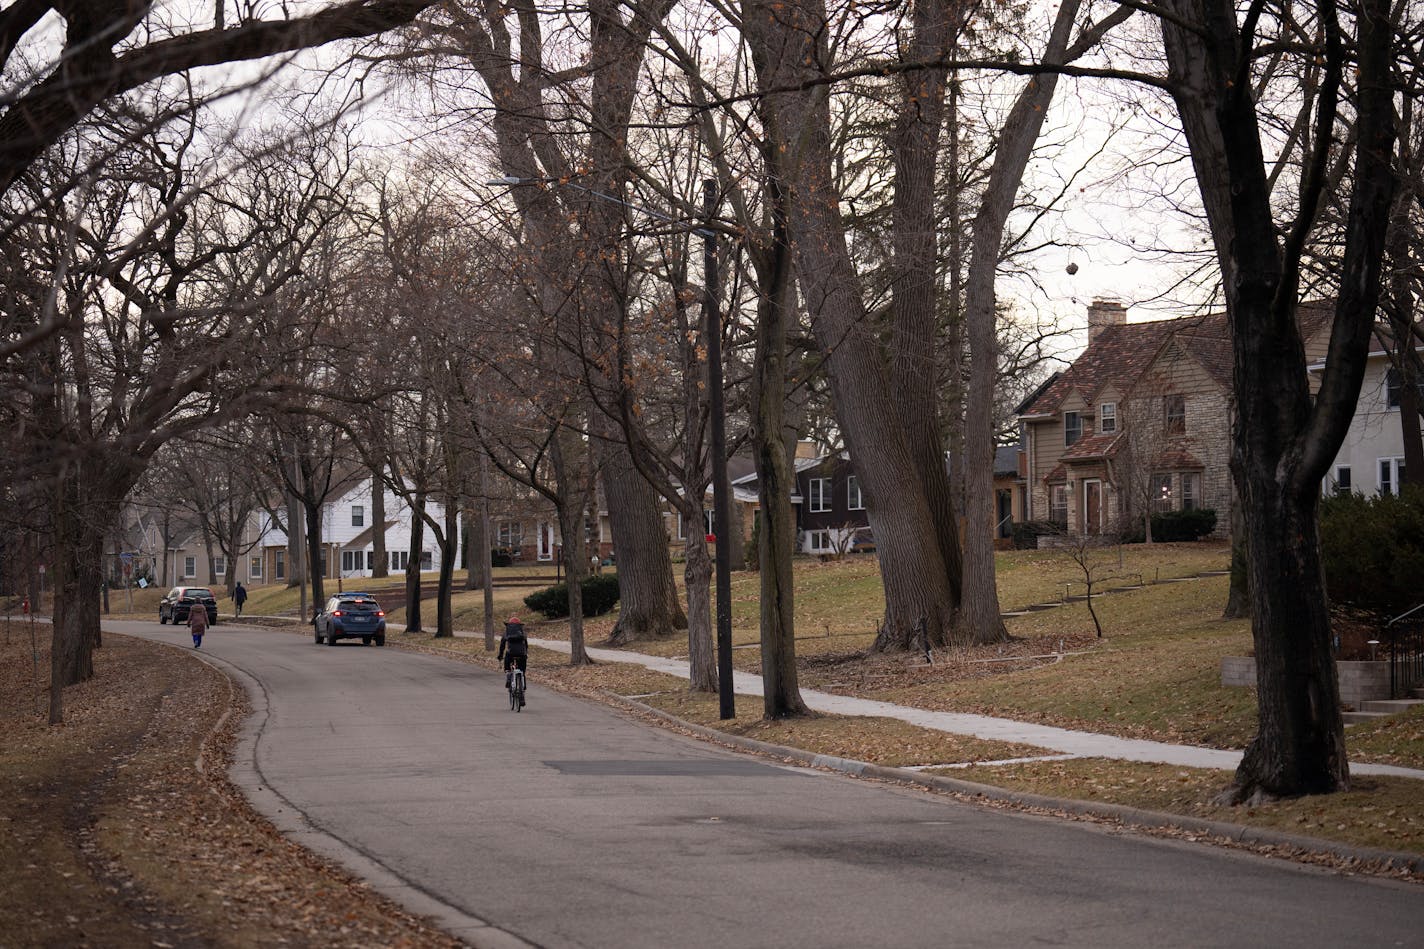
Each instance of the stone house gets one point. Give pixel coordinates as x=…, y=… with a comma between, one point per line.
x=1139, y=423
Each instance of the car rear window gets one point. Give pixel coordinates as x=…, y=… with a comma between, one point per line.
x=197, y=591
x=363, y=606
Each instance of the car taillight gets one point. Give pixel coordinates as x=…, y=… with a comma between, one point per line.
x=337, y=613
x=380, y=612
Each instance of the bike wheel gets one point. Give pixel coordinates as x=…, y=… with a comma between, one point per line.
x=513, y=699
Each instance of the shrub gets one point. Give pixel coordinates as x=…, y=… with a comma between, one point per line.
x=1373, y=550
x=1170, y=526
x=1027, y=533
x=500, y=557
x=600, y=595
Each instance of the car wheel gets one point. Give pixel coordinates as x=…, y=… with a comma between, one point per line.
x=365, y=640
x=162, y=618
x=331, y=637
x=380, y=640
x=318, y=635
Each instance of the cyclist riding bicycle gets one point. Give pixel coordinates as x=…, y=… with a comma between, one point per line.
x=513, y=650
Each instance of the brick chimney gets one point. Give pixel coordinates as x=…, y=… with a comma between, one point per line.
x=1101, y=315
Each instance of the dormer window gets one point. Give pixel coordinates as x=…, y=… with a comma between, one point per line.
x=1072, y=427
x=1107, y=417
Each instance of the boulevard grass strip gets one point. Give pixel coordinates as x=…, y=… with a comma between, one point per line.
x=882, y=741
x=1378, y=812
x=1396, y=740
x=1155, y=675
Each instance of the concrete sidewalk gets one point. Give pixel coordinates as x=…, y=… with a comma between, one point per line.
x=1064, y=742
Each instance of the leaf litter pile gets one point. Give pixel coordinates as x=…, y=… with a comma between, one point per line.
x=120, y=828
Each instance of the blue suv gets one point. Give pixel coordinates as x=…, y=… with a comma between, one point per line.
x=351, y=616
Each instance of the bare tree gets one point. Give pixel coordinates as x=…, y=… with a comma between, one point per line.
x=1283, y=441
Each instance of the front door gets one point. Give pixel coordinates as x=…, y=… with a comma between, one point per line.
x=1005, y=505
x=1092, y=507
x=544, y=545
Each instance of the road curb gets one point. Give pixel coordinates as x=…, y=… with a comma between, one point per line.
x=1136, y=817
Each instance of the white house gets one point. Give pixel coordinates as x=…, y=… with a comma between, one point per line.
x=1371, y=459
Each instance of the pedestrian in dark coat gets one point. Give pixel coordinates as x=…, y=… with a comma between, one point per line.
x=239, y=597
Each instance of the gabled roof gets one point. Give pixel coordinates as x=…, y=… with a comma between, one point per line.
x=1091, y=448
x=1122, y=352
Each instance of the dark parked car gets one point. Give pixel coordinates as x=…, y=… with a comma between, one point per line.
x=351, y=616
x=175, y=607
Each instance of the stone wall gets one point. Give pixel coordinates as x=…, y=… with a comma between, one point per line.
x=1360, y=682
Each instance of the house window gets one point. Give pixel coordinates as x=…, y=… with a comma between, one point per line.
x=279, y=564
x=1191, y=491
x=1161, y=492
x=820, y=495
x=855, y=501
x=1343, y=480
x=348, y=561
x=254, y=568
x=1072, y=427
x=400, y=559
x=819, y=541
x=1174, y=414
x=370, y=560
x=1058, y=504
x=1393, y=387
x=190, y=567
x=219, y=566
x=358, y=515
x=511, y=535
x=1391, y=473
x=427, y=562
x=1107, y=417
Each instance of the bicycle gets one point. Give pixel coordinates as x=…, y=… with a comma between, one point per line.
x=516, y=690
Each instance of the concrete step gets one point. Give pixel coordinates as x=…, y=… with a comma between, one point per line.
x=1355, y=718
x=1390, y=706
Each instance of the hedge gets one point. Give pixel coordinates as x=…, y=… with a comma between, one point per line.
x=600, y=595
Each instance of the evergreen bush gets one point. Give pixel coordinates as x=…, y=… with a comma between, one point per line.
x=600, y=595
x=1373, y=551
x=1173, y=526
x=1027, y=533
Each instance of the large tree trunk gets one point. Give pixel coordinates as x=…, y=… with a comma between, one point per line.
x=449, y=548
x=903, y=474
x=412, y=567
x=1283, y=443
x=314, y=545
x=697, y=575
x=570, y=471
x=648, y=606
x=776, y=475
x=482, y=549
x=1238, y=597
x=296, y=576
x=382, y=566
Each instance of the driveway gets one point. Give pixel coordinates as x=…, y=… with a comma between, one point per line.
x=571, y=825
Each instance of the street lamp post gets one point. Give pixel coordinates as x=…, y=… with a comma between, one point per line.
x=721, y=502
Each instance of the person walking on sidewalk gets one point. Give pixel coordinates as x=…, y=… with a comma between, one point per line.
x=239, y=597
x=198, y=623
x=513, y=650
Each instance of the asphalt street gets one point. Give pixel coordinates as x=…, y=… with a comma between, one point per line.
x=571, y=825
